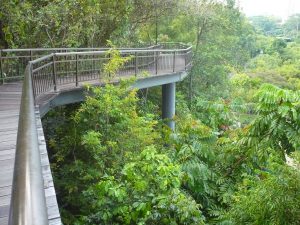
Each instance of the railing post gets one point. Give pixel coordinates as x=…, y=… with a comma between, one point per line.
x=32, y=81
x=54, y=73
x=109, y=75
x=185, y=55
x=156, y=62
x=136, y=64
x=1, y=69
x=76, y=70
x=31, y=58
x=174, y=61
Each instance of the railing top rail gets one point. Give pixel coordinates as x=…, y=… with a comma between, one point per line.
x=28, y=204
x=85, y=49
x=121, y=51
x=104, y=51
x=66, y=49
x=41, y=58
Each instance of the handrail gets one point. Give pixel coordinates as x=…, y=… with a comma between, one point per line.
x=104, y=52
x=28, y=204
x=121, y=51
x=56, y=69
x=14, y=61
x=61, y=49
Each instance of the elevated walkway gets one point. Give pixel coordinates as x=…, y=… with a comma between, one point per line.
x=27, y=194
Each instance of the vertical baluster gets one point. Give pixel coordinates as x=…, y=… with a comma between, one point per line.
x=109, y=75
x=54, y=73
x=185, y=55
x=76, y=70
x=135, y=68
x=93, y=65
x=24, y=63
x=33, y=82
x=31, y=57
x=156, y=62
x=174, y=55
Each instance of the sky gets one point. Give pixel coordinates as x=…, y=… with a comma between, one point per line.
x=279, y=8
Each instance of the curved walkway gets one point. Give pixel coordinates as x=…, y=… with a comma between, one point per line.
x=58, y=79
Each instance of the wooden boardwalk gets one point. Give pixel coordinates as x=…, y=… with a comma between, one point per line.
x=10, y=99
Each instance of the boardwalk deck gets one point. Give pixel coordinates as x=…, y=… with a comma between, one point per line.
x=10, y=98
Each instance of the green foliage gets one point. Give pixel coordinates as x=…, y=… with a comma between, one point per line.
x=125, y=176
x=268, y=25
x=270, y=198
x=147, y=192
x=265, y=62
x=215, y=114
x=291, y=26
x=116, y=61
x=279, y=66
x=277, y=124
x=74, y=23
x=113, y=160
x=195, y=151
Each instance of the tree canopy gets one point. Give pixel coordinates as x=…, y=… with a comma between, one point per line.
x=234, y=156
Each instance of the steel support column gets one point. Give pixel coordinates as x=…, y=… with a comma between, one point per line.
x=168, y=104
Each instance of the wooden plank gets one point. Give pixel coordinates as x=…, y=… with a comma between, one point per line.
x=4, y=211
x=6, y=165
x=7, y=156
x=8, y=107
x=5, y=190
x=5, y=200
x=51, y=201
x=4, y=220
x=50, y=194
x=9, y=101
x=53, y=212
x=7, y=146
x=7, y=152
x=9, y=112
x=6, y=177
x=55, y=221
x=8, y=138
x=8, y=126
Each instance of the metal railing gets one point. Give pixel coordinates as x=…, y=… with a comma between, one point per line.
x=28, y=204
x=51, y=72
x=55, y=71
x=14, y=61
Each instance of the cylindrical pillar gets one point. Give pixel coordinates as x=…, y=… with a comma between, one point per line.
x=168, y=104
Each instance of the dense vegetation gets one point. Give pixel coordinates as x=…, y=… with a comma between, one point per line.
x=234, y=156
